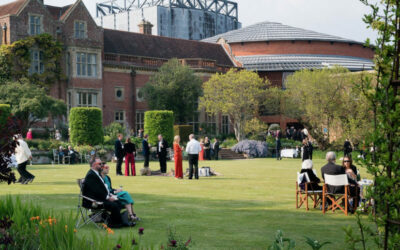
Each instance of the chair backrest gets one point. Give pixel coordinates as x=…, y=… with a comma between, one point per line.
x=80, y=183
x=336, y=180
x=301, y=177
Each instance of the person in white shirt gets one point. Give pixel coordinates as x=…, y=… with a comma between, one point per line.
x=193, y=149
x=23, y=155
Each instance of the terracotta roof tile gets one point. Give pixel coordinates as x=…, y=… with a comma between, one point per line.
x=11, y=8
x=129, y=43
x=57, y=12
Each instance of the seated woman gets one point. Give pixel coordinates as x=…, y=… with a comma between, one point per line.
x=350, y=169
x=124, y=199
x=307, y=167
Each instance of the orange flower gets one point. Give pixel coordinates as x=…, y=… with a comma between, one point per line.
x=110, y=231
x=66, y=228
x=104, y=226
x=33, y=218
x=75, y=230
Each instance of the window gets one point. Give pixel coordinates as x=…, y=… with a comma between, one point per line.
x=139, y=119
x=35, y=25
x=225, y=125
x=119, y=116
x=80, y=29
x=86, y=99
x=69, y=101
x=119, y=93
x=37, y=66
x=195, y=119
x=284, y=78
x=139, y=95
x=86, y=64
x=211, y=124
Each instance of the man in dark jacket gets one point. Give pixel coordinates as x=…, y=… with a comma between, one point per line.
x=215, y=148
x=94, y=188
x=347, y=148
x=278, y=145
x=146, y=150
x=307, y=150
x=119, y=153
x=162, y=146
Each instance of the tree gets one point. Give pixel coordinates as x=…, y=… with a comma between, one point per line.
x=159, y=122
x=238, y=94
x=327, y=102
x=30, y=103
x=86, y=126
x=174, y=87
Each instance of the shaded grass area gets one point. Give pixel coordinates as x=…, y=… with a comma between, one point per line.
x=242, y=209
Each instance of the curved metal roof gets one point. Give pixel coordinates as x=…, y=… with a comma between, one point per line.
x=272, y=31
x=297, y=62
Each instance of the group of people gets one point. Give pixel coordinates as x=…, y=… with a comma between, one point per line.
x=208, y=149
x=306, y=148
x=127, y=151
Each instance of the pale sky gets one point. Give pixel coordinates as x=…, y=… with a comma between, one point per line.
x=334, y=17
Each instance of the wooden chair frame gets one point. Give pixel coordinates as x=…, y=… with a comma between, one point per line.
x=303, y=195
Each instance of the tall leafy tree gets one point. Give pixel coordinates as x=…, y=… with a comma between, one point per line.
x=30, y=103
x=174, y=87
x=236, y=93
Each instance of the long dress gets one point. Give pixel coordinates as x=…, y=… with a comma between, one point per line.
x=178, y=161
x=201, y=154
x=124, y=197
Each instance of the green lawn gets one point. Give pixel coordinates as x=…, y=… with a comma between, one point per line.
x=242, y=209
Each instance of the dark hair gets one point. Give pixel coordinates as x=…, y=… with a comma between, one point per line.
x=348, y=157
x=128, y=140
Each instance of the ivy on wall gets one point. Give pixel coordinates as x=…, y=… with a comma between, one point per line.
x=15, y=60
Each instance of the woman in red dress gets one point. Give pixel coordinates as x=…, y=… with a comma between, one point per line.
x=178, y=158
x=201, y=154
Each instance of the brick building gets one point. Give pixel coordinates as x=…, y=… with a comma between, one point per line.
x=276, y=51
x=106, y=68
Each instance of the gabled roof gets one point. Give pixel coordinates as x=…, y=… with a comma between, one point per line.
x=57, y=12
x=297, y=62
x=136, y=44
x=11, y=8
x=272, y=31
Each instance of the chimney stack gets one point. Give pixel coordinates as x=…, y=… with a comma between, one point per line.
x=145, y=27
x=4, y=30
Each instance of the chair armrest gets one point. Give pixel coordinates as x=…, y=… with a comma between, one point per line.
x=92, y=200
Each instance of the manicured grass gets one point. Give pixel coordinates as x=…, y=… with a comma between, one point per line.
x=242, y=209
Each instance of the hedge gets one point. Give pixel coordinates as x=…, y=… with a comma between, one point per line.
x=86, y=126
x=5, y=111
x=183, y=131
x=159, y=122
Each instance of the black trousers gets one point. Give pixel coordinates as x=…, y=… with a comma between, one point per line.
x=216, y=152
x=207, y=154
x=278, y=153
x=115, y=209
x=163, y=163
x=193, y=161
x=24, y=174
x=119, y=164
x=146, y=160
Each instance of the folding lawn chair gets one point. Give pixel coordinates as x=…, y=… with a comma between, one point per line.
x=336, y=198
x=302, y=195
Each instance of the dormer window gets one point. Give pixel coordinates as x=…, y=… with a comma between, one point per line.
x=35, y=24
x=80, y=29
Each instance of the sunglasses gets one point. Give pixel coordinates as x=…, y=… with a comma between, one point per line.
x=346, y=161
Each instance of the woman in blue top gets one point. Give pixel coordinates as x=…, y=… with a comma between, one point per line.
x=124, y=198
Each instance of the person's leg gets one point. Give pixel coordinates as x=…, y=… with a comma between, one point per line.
x=127, y=156
x=114, y=208
x=196, y=166
x=21, y=170
x=190, y=166
x=133, y=165
x=161, y=162
x=164, y=164
x=118, y=166
x=146, y=161
x=216, y=154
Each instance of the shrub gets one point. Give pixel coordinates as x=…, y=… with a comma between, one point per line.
x=46, y=145
x=137, y=141
x=274, y=127
x=159, y=122
x=112, y=131
x=254, y=149
x=183, y=131
x=86, y=126
x=228, y=143
x=5, y=111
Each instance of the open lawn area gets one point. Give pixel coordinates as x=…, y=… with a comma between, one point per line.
x=241, y=209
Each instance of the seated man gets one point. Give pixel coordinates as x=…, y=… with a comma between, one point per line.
x=95, y=188
x=73, y=154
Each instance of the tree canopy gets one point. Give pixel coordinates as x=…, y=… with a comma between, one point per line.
x=30, y=103
x=174, y=87
x=238, y=94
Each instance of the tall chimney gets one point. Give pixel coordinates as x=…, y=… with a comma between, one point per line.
x=145, y=27
x=4, y=30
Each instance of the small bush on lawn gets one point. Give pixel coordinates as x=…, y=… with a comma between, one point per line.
x=86, y=126
x=183, y=131
x=159, y=122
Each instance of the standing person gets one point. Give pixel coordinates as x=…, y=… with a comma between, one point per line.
x=288, y=133
x=347, y=149
x=215, y=148
x=201, y=154
x=193, y=149
x=307, y=150
x=119, y=153
x=278, y=145
x=23, y=155
x=130, y=152
x=29, y=135
x=58, y=135
x=162, y=153
x=178, y=158
x=146, y=150
x=207, y=148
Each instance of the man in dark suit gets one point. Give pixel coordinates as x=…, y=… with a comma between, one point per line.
x=215, y=148
x=278, y=145
x=94, y=188
x=347, y=148
x=119, y=153
x=162, y=146
x=146, y=150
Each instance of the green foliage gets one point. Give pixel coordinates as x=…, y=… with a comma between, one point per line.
x=30, y=103
x=238, y=94
x=111, y=132
x=314, y=244
x=5, y=111
x=274, y=127
x=183, y=131
x=174, y=87
x=86, y=126
x=328, y=99
x=175, y=242
x=137, y=141
x=255, y=127
x=282, y=243
x=228, y=143
x=45, y=145
x=285, y=143
x=159, y=122
x=15, y=60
